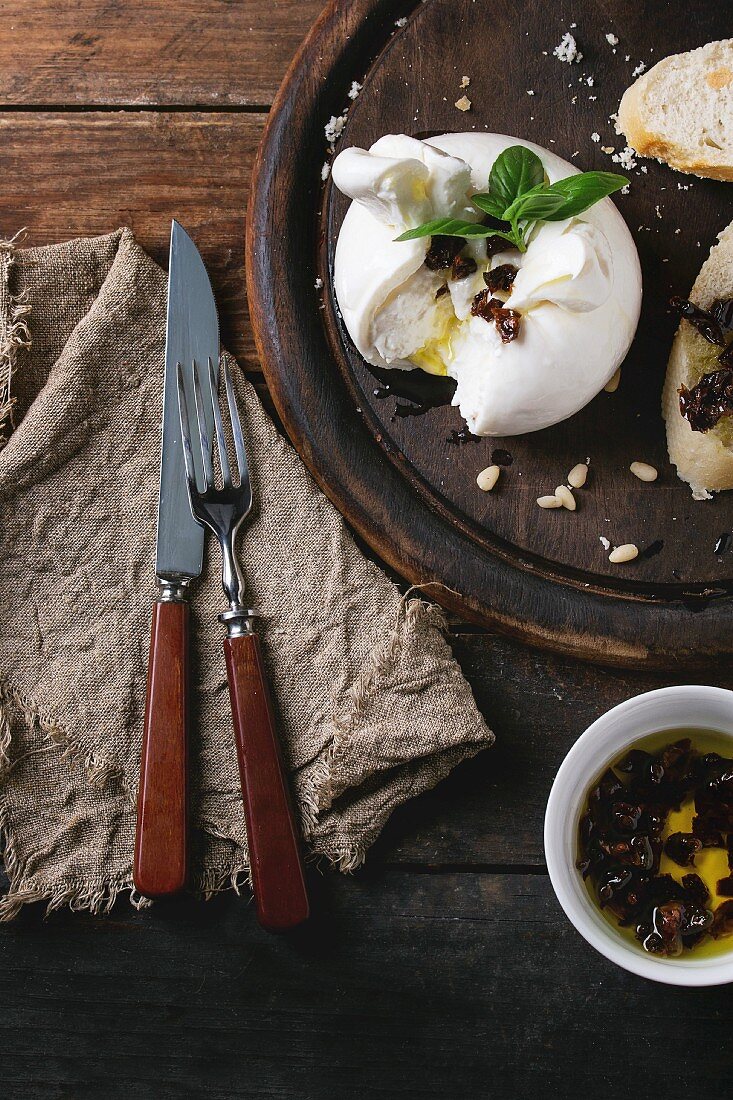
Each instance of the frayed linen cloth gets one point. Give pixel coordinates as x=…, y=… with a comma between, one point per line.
x=371, y=706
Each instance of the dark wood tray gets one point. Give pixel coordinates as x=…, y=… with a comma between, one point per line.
x=402, y=481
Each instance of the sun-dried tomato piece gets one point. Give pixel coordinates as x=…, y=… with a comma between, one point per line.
x=507, y=321
x=462, y=267
x=682, y=848
x=725, y=887
x=442, y=252
x=501, y=278
x=722, y=311
x=695, y=890
x=722, y=920
x=705, y=323
x=709, y=400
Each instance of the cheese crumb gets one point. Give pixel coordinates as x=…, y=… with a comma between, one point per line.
x=639, y=69
x=463, y=104
x=354, y=89
x=567, y=50
x=612, y=39
x=595, y=136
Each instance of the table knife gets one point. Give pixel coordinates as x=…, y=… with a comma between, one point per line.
x=161, y=841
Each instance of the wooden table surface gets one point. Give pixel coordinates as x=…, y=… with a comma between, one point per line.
x=445, y=968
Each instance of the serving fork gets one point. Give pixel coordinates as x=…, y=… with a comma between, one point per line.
x=274, y=850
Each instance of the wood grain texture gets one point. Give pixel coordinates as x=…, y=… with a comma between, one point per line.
x=410, y=493
x=148, y=52
x=272, y=839
x=82, y=174
x=411, y=986
x=161, y=838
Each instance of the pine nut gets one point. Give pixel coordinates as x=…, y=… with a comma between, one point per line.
x=644, y=471
x=577, y=475
x=612, y=385
x=627, y=552
x=565, y=497
x=488, y=478
x=549, y=502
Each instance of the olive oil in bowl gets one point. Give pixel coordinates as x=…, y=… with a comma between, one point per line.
x=656, y=843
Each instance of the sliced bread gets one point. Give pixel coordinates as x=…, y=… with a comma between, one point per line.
x=681, y=111
x=704, y=459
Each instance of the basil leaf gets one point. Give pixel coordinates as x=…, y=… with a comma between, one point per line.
x=582, y=191
x=539, y=204
x=488, y=204
x=513, y=173
x=452, y=227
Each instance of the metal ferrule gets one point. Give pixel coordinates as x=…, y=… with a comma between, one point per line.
x=238, y=621
x=172, y=591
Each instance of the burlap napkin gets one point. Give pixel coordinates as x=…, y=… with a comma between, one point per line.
x=371, y=706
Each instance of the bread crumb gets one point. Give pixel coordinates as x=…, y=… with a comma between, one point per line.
x=640, y=68
x=325, y=171
x=612, y=39
x=463, y=104
x=354, y=89
x=401, y=22
x=530, y=91
x=465, y=81
x=334, y=128
x=608, y=149
x=605, y=543
x=318, y=284
x=567, y=50
x=595, y=136
x=625, y=158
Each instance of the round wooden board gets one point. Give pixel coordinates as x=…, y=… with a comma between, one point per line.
x=402, y=481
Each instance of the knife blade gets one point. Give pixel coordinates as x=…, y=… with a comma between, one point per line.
x=192, y=335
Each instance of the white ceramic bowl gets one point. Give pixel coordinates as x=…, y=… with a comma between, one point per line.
x=602, y=743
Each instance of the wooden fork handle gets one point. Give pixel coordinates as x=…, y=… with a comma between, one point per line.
x=161, y=839
x=272, y=837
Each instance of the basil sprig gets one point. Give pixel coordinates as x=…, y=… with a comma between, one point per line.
x=519, y=196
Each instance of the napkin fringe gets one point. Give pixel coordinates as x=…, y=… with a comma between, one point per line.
x=14, y=332
x=95, y=896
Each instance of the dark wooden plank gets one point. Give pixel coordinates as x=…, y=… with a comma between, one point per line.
x=142, y=52
x=71, y=175
x=412, y=495
x=415, y=986
x=490, y=810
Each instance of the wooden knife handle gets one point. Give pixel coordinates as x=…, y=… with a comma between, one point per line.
x=274, y=849
x=161, y=839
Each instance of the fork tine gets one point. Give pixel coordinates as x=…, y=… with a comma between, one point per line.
x=221, y=442
x=185, y=432
x=236, y=427
x=203, y=433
